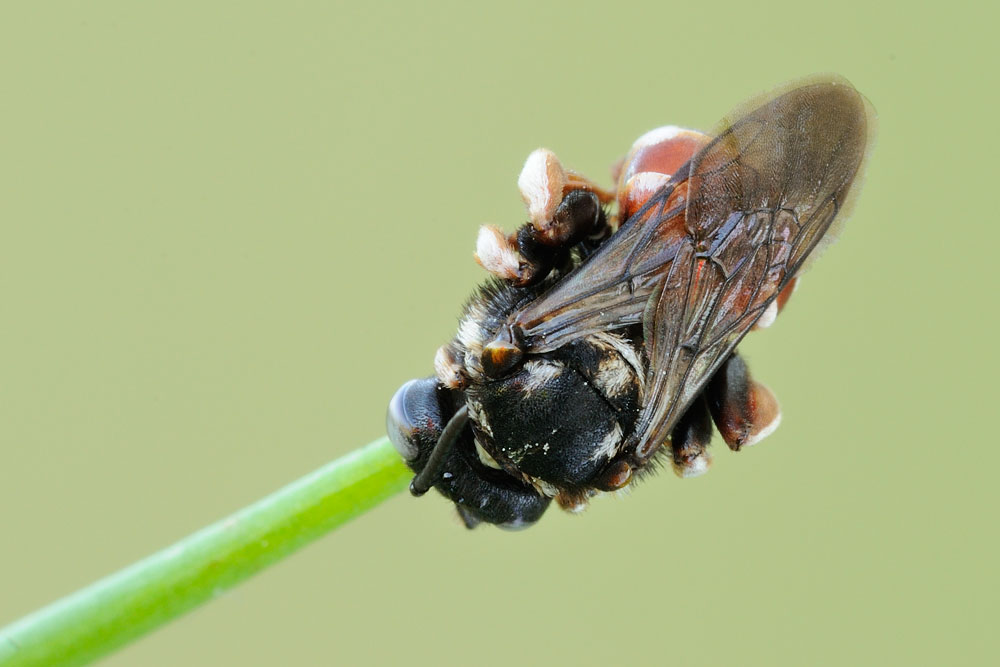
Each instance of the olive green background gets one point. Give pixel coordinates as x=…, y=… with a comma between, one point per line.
x=231, y=230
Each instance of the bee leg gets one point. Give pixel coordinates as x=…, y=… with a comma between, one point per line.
x=527, y=256
x=499, y=254
x=578, y=222
x=776, y=306
x=519, y=258
x=448, y=367
x=744, y=411
x=544, y=184
x=690, y=439
x=564, y=209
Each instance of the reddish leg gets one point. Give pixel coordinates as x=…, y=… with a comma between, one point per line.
x=690, y=439
x=744, y=411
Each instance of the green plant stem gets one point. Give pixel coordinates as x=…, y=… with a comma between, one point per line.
x=113, y=611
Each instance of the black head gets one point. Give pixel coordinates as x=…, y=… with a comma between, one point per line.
x=417, y=417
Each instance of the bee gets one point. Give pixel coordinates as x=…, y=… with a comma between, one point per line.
x=599, y=349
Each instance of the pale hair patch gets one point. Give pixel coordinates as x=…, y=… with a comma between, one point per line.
x=764, y=432
x=541, y=184
x=479, y=417
x=447, y=369
x=613, y=375
x=539, y=373
x=768, y=317
x=661, y=134
x=696, y=467
x=627, y=352
x=608, y=446
x=642, y=185
x=496, y=254
x=484, y=456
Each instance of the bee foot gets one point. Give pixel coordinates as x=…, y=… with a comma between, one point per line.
x=692, y=466
x=497, y=253
x=744, y=411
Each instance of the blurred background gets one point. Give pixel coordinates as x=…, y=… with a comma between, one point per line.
x=231, y=230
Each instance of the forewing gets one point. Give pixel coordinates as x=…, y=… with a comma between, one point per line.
x=611, y=289
x=761, y=197
x=699, y=263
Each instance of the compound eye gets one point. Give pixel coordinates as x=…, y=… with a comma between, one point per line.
x=414, y=417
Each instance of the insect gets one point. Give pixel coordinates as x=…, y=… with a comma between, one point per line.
x=594, y=352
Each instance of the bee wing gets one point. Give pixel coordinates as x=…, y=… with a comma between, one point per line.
x=611, y=289
x=762, y=197
x=702, y=260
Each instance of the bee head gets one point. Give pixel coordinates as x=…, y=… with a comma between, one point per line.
x=420, y=415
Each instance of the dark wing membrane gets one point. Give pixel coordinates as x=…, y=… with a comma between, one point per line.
x=762, y=196
x=699, y=263
x=611, y=289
